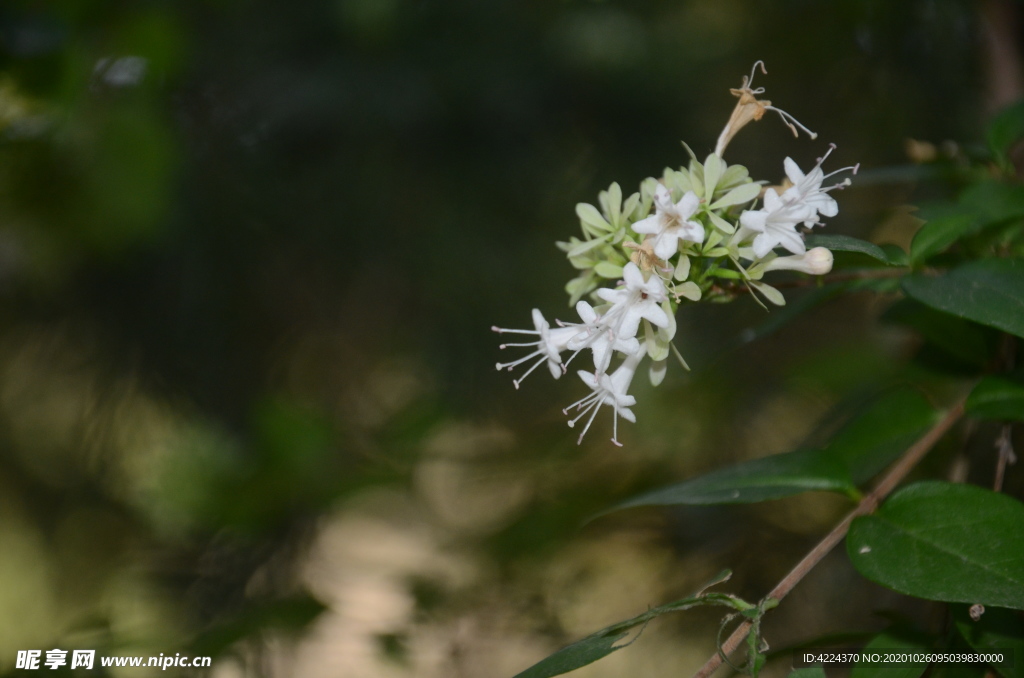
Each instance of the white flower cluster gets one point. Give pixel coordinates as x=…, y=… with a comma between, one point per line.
x=692, y=235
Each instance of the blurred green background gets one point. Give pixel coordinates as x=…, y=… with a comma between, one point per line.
x=250, y=253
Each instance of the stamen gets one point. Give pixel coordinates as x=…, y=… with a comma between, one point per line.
x=791, y=122
x=596, y=407
x=748, y=81
x=615, y=426
x=521, y=360
x=852, y=169
x=579, y=404
x=518, y=381
x=501, y=330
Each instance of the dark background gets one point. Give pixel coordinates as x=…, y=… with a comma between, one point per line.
x=248, y=405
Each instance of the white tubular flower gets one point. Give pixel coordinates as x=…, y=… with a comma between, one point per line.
x=807, y=190
x=549, y=346
x=775, y=224
x=608, y=390
x=639, y=299
x=594, y=334
x=671, y=222
x=803, y=202
x=815, y=261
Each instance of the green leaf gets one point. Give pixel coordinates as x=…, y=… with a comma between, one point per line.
x=944, y=541
x=844, y=243
x=611, y=202
x=996, y=631
x=738, y=196
x=990, y=291
x=589, y=215
x=997, y=398
x=713, y=168
x=689, y=290
x=993, y=201
x=606, y=269
x=769, y=292
x=1006, y=128
x=937, y=235
x=774, y=477
x=721, y=223
x=733, y=175
x=889, y=641
x=602, y=643
x=897, y=256
x=862, y=448
x=584, y=246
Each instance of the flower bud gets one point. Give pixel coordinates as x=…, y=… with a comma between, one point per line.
x=815, y=261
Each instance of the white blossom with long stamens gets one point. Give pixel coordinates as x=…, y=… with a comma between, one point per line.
x=595, y=334
x=801, y=203
x=616, y=328
x=775, y=224
x=548, y=347
x=807, y=190
x=608, y=390
x=671, y=222
x=636, y=300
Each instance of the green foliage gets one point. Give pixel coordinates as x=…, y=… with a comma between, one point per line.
x=1005, y=130
x=944, y=541
x=997, y=398
x=938, y=234
x=988, y=291
x=845, y=243
x=996, y=630
x=861, y=449
x=888, y=641
x=609, y=639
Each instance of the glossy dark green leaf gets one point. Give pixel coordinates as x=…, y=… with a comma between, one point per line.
x=602, y=643
x=862, y=448
x=845, y=243
x=990, y=292
x=997, y=398
x=997, y=631
x=890, y=641
x=774, y=477
x=944, y=541
x=935, y=236
x=993, y=201
x=897, y=255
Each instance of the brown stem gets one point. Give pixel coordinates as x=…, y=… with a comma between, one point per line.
x=868, y=504
x=1004, y=446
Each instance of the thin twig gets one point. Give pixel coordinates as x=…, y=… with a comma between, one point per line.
x=868, y=504
x=1004, y=445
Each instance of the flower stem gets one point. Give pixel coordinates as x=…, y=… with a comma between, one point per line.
x=867, y=505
